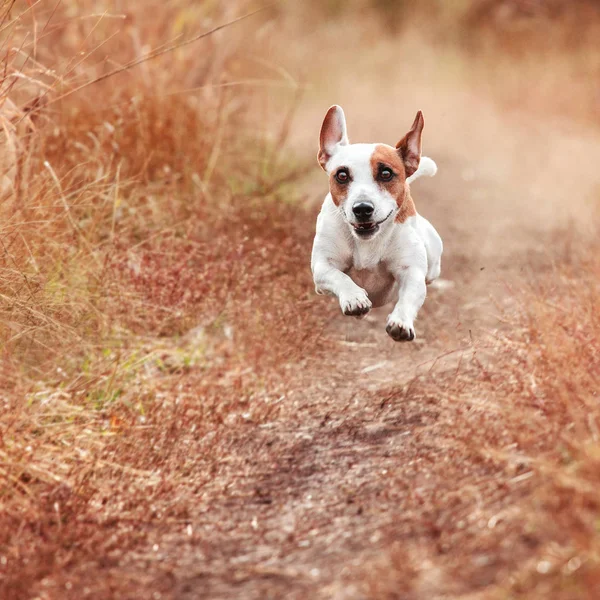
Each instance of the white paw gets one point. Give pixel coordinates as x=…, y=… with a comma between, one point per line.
x=400, y=330
x=356, y=304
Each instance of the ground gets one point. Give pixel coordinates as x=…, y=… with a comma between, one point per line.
x=373, y=479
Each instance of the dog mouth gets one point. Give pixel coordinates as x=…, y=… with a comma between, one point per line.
x=367, y=230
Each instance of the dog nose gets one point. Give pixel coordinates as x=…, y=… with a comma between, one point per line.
x=363, y=210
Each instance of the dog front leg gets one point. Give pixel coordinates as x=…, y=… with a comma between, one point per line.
x=411, y=295
x=354, y=301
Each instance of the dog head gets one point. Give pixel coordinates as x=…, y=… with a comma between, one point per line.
x=368, y=181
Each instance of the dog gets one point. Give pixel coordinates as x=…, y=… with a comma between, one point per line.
x=371, y=246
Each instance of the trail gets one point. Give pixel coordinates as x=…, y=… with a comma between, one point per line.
x=385, y=473
x=366, y=473
x=372, y=481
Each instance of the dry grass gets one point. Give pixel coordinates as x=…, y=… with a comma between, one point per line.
x=166, y=366
x=521, y=410
x=137, y=215
x=558, y=383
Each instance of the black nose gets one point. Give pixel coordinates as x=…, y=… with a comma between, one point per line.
x=363, y=210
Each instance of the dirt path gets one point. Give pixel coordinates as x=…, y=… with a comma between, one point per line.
x=381, y=470
x=367, y=485
x=381, y=475
x=372, y=481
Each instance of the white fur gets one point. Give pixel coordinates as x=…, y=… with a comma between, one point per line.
x=396, y=263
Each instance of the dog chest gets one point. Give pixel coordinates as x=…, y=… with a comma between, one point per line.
x=377, y=281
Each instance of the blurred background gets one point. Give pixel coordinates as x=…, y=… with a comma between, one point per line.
x=158, y=194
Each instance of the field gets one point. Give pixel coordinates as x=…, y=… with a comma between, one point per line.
x=183, y=417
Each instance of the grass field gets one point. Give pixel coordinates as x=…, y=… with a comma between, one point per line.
x=182, y=417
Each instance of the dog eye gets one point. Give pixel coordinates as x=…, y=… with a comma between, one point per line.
x=385, y=174
x=342, y=176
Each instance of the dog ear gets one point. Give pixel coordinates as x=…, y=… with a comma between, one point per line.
x=333, y=134
x=409, y=147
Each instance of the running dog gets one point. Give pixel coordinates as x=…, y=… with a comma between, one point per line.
x=371, y=246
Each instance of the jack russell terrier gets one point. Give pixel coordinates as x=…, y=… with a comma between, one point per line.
x=371, y=246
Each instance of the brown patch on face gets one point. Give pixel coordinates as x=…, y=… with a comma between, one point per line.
x=338, y=190
x=388, y=157
x=407, y=209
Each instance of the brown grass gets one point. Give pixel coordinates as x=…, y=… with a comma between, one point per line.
x=559, y=380
x=182, y=416
x=137, y=217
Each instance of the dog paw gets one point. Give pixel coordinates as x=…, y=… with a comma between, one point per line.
x=400, y=331
x=355, y=305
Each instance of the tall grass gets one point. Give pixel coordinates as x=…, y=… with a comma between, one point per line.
x=138, y=211
x=162, y=153
x=558, y=386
